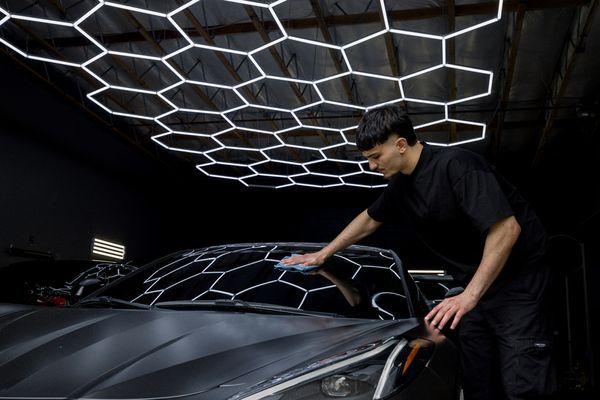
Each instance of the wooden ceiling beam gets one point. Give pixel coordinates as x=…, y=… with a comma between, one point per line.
x=259, y=26
x=451, y=58
x=159, y=49
x=127, y=137
x=52, y=50
x=201, y=30
x=575, y=43
x=390, y=47
x=333, y=20
x=324, y=28
x=511, y=60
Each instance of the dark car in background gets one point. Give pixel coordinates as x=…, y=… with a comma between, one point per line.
x=223, y=322
x=56, y=282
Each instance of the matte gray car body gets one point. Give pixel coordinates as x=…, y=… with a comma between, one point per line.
x=106, y=353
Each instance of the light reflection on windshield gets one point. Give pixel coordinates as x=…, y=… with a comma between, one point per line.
x=356, y=284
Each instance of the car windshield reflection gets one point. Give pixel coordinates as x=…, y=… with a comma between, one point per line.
x=356, y=283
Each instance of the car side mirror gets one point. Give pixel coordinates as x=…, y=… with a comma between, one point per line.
x=85, y=284
x=89, y=282
x=455, y=291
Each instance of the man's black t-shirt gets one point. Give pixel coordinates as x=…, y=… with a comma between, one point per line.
x=452, y=198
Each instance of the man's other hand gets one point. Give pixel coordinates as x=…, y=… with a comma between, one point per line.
x=306, y=260
x=451, y=309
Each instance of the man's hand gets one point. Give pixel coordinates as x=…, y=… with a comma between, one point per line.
x=306, y=260
x=451, y=309
x=498, y=244
x=360, y=227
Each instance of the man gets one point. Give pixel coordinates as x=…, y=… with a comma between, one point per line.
x=490, y=239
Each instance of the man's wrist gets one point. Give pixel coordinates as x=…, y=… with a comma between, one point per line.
x=473, y=293
x=324, y=254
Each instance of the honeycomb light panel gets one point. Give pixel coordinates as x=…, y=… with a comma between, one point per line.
x=300, y=117
x=464, y=28
x=48, y=23
x=474, y=71
x=168, y=135
x=480, y=126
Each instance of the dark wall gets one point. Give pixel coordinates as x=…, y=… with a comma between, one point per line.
x=589, y=235
x=67, y=177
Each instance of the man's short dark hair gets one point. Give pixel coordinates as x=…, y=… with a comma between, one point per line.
x=376, y=126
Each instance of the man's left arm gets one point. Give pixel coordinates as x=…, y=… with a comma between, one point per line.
x=499, y=241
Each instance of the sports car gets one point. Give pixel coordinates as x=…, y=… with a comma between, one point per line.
x=225, y=322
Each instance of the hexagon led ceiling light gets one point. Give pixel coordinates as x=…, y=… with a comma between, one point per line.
x=243, y=117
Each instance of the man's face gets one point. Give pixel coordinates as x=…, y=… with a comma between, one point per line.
x=388, y=157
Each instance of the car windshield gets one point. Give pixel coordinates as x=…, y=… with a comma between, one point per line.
x=356, y=283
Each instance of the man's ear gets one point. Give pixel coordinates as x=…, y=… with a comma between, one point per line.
x=401, y=144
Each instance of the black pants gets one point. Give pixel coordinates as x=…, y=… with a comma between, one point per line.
x=506, y=340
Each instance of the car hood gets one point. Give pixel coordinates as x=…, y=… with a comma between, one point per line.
x=119, y=354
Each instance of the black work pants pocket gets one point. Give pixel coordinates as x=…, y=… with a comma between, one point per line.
x=533, y=374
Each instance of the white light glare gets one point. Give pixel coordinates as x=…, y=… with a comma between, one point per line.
x=134, y=9
x=427, y=271
x=41, y=20
x=108, y=249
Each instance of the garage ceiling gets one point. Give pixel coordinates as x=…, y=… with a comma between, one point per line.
x=269, y=92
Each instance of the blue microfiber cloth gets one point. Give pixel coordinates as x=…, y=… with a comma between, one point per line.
x=296, y=267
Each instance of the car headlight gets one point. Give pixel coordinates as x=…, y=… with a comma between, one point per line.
x=373, y=371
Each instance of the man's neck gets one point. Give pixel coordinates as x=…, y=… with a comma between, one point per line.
x=413, y=153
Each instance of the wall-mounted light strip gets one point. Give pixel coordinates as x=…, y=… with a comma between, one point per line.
x=108, y=249
x=427, y=271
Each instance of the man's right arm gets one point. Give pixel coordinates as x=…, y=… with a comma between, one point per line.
x=362, y=226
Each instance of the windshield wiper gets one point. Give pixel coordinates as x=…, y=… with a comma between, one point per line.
x=112, y=302
x=238, y=305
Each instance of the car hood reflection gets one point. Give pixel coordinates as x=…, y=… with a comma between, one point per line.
x=110, y=354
